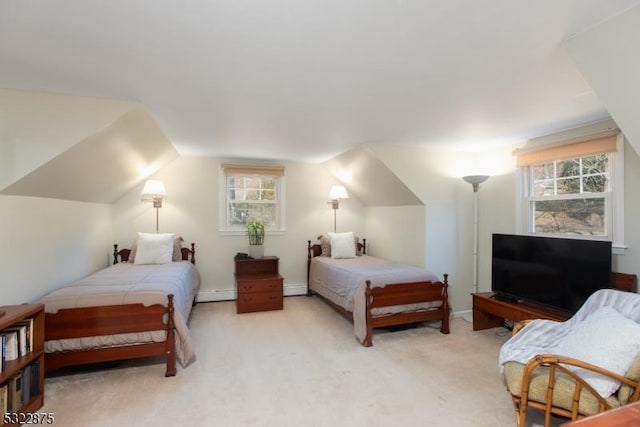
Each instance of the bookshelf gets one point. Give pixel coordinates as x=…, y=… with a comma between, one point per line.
x=23, y=375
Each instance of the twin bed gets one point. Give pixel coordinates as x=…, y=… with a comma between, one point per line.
x=125, y=311
x=131, y=310
x=376, y=293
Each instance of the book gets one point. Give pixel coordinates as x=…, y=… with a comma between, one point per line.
x=21, y=330
x=2, y=340
x=35, y=378
x=4, y=396
x=28, y=324
x=15, y=392
x=26, y=384
x=10, y=345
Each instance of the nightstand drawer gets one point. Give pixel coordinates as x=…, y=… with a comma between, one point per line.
x=273, y=285
x=259, y=301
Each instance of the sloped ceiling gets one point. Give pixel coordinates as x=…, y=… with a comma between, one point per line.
x=369, y=180
x=609, y=57
x=308, y=80
x=40, y=148
x=37, y=126
x=305, y=81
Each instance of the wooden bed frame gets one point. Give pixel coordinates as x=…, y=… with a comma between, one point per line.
x=390, y=295
x=122, y=255
x=111, y=320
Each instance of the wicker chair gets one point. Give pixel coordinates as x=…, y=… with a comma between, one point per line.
x=546, y=383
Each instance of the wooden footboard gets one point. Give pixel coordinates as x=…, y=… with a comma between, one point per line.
x=111, y=320
x=406, y=293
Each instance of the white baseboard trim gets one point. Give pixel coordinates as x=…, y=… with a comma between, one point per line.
x=229, y=294
x=462, y=313
x=211, y=295
x=290, y=290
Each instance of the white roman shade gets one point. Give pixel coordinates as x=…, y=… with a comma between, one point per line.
x=252, y=169
x=586, y=140
x=533, y=156
x=586, y=146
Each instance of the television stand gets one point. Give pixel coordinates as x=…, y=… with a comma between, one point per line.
x=489, y=312
x=505, y=298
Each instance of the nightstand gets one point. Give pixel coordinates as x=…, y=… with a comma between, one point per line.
x=258, y=284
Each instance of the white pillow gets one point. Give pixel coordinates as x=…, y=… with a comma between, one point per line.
x=342, y=245
x=154, y=248
x=177, y=249
x=607, y=339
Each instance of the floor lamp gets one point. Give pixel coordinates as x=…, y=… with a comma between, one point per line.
x=475, y=181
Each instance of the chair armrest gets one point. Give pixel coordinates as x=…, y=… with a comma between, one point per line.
x=561, y=363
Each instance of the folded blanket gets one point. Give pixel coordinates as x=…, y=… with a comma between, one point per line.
x=545, y=336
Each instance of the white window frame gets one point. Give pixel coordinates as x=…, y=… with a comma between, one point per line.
x=223, y=202
x=614, y=202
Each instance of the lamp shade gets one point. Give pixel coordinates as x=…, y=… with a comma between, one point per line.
x=154, y=187
x=475, y=179
x=338, y=192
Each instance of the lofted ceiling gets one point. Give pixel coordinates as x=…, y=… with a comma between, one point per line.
x=99, y=168
x=308, y=80
x=369, y=180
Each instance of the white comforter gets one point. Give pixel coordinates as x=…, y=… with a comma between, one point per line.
x=545, y=336
x=126, y=283
x=342, y=281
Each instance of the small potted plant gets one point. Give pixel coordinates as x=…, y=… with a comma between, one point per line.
x=255, y=232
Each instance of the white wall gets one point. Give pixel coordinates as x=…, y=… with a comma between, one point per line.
x=630, y=261
x=396, y=233
x=49, y=243
x=607, y=56
x=191, y=210
x=424, y=172
x=497, y=215
x=434, y=175
x=38, y=126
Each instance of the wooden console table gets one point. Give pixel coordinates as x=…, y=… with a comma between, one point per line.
x=489, y=312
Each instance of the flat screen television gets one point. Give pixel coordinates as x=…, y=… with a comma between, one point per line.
x=558, y=273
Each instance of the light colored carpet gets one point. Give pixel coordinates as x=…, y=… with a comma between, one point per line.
x=298, y=367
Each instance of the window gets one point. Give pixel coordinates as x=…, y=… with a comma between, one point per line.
x=570, y=197
x=573, y=188
x=252, y=193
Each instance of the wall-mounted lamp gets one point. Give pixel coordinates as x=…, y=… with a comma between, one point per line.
x=154, y=191
x=337, y=192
